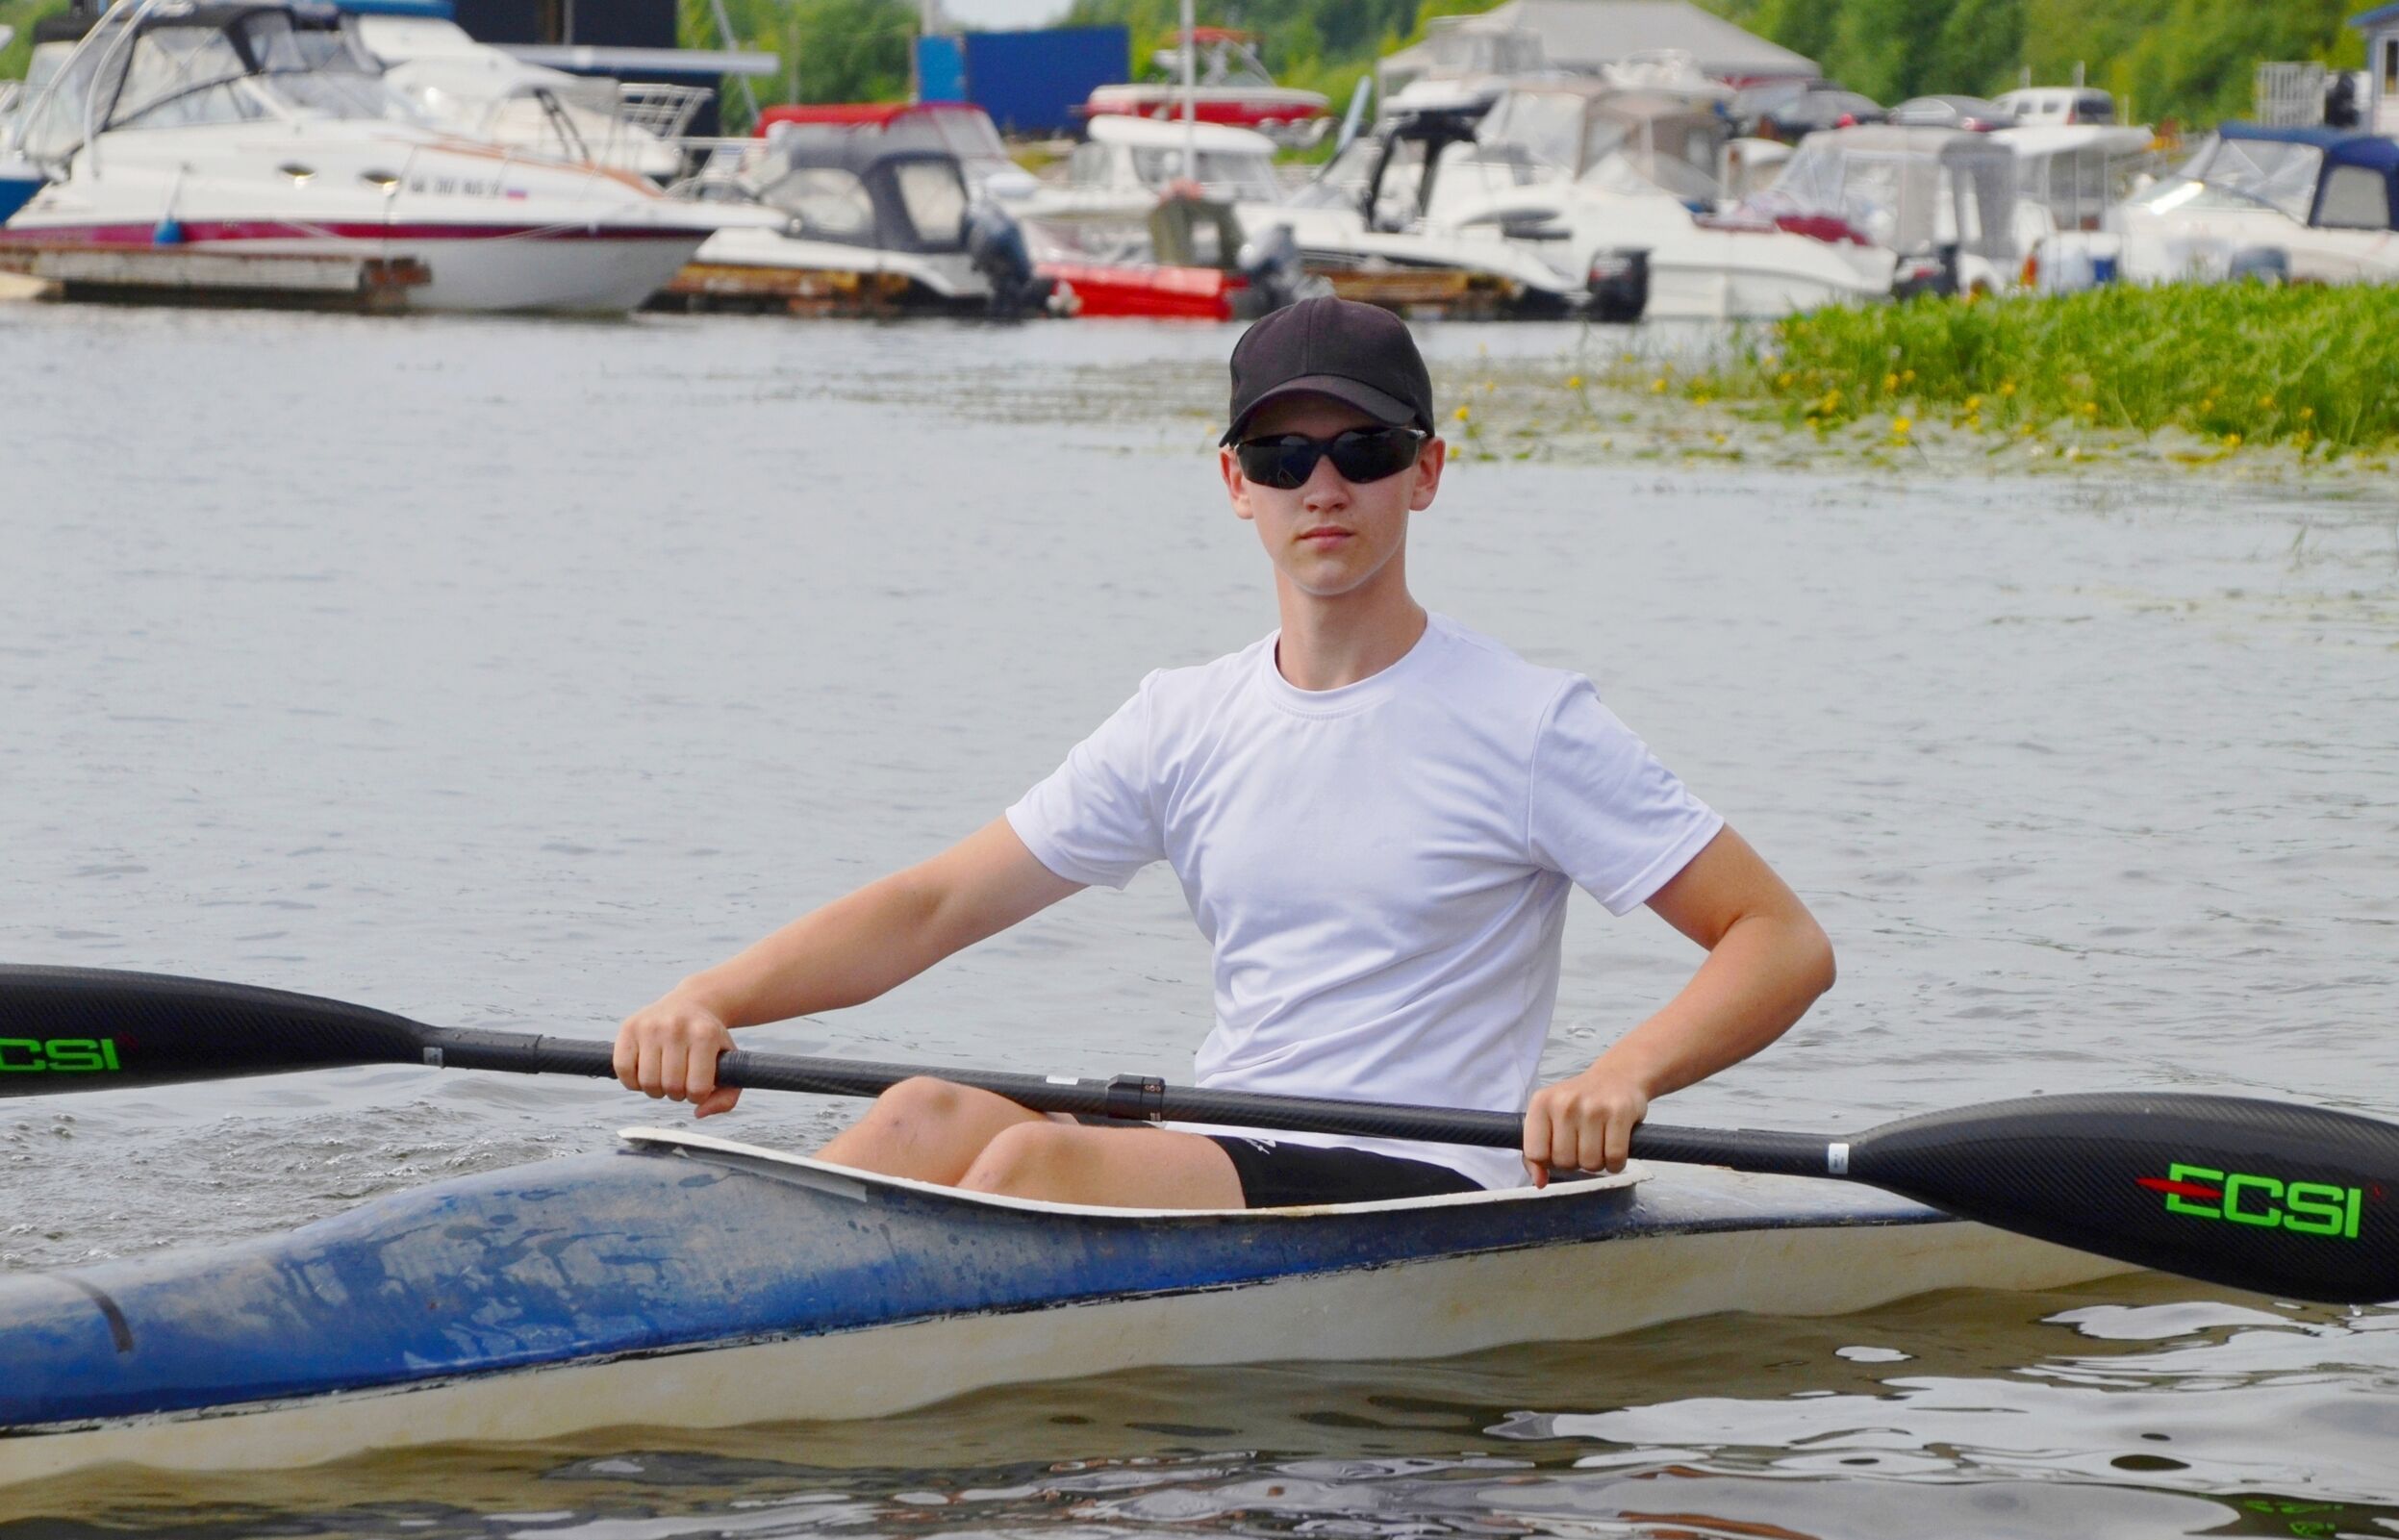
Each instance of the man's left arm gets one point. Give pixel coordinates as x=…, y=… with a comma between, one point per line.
x=1767, y=961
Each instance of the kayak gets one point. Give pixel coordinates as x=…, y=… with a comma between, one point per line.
x=692, y=1283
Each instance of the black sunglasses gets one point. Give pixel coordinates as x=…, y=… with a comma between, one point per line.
x=1361, y=455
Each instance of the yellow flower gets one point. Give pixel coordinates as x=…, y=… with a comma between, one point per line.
x=1900, y=425
x=1891, y=382
x=2090, y=409
x=2207, y=406
x=1463, y=413
x=1782, y=381
x=1574, y=382
x=1907, y=376
x=2006, y=387
x=1657, y=387
x=2266, y=401
x=2232, y=441
x=1974, y=403
x=2305, y=412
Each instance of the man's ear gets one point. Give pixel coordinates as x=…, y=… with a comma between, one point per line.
x=1430, y=458
x=1236, y=484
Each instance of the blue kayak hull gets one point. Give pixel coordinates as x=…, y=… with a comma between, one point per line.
x=658, y=1284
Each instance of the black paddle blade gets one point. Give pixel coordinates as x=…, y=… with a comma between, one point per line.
x=95, y=1029
x=2288, y=1200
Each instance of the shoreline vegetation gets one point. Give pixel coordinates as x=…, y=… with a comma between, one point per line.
x=2284, y=381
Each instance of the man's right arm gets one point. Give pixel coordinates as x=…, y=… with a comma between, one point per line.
x=848, y=952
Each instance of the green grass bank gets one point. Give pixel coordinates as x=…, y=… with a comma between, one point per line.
x=2314, y=370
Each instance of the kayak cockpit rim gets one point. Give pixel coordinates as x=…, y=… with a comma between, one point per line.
x=686, y=1139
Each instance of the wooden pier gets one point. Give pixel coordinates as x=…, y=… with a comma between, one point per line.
x=211, y=275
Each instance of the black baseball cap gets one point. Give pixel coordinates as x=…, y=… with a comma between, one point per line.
x=1360, y=355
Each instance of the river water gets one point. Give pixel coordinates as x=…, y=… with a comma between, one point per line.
x=499, y=672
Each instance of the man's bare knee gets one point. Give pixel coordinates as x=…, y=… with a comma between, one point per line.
x=918, y=1096
x=1026, y=1160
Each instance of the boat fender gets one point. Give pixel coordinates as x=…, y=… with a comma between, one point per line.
x=167, y=232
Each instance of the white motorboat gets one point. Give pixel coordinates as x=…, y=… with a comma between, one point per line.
x=868, y=212
x=1906, y=208
x=2303, y=204
x=1127, y=165
x=2068, y=176
x=482, y=92
x=1230, y=86
x=1598, y=186
x=256, y=128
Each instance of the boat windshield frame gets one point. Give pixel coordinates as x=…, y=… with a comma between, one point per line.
x=2237, y=171
x=263, y=70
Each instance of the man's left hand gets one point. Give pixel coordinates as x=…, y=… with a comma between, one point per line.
x=1584, y=1123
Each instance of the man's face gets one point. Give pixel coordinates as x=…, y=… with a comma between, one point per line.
x=1329, y=537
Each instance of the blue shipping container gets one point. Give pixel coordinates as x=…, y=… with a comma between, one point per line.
x=1031, y=82
x=941, y=69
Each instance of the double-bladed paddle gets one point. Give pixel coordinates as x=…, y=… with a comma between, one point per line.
x=2285, y=1200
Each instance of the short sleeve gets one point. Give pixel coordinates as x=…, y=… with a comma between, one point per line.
x=1093, y=819
x=1604, y=811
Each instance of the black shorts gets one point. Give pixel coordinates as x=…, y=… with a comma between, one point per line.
x=1276, y=1175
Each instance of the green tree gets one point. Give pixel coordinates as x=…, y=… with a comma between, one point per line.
x=1975, y=52
x=1876, y=44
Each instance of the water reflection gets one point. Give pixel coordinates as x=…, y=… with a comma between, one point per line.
x=2155, y=1411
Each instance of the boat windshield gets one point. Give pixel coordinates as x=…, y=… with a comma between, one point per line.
x=1546, y=126
x=1240, y=176
x=1342, y=181
x=184, y=74
x=2242, y=174
x=934, y=197
x=971, y=138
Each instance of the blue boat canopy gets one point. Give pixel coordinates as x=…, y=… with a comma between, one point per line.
x=2349, y=159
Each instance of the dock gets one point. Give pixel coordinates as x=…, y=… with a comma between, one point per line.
x=185, y=275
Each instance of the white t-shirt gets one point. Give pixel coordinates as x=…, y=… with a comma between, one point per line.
x=1381, y=869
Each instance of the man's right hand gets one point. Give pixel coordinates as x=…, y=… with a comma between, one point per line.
x=669, y=1049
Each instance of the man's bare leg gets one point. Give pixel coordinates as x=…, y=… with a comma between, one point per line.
x=925, y=1129
x=1119, y=1167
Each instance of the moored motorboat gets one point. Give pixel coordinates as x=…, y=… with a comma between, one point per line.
x=2302, y=205
x=694, y=1283
x=1230, y=86
x=864, y=211
x=255, y=129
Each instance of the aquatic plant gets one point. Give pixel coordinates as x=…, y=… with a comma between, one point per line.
x=2311, y=368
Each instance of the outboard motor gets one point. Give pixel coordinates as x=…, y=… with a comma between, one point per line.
x=996, y=248
x=1935, y=273
x=1270, y=261
x=1620, y=285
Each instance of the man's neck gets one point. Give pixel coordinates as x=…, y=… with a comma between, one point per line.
x=1326, y=644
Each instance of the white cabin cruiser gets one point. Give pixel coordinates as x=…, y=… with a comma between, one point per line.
x=2304, y=205
x=482, y=92
x=1913, y=207
x=1600, y=185
x=259, y=128
x=1129, y=163
x=877, y=207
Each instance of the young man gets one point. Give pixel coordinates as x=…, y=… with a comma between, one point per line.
x=1376, y=816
